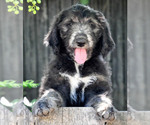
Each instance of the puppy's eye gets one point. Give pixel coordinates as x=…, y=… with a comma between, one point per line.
x=93, y=26
x=69, y=24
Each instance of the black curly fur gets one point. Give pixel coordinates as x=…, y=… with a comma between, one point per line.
x=64, y=62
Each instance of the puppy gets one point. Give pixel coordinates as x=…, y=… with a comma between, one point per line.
x=77, y=74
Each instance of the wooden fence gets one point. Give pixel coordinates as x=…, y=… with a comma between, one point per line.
x=11, y=50
x=69, y=116
x=138, y=56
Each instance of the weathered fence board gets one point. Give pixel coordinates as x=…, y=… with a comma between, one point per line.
x=138, y=56
x=11, y=50
x=70, y=116
x=6, y=116
x=11, y=44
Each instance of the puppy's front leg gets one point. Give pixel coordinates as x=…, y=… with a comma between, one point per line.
x=103, y=106
x=50, y=99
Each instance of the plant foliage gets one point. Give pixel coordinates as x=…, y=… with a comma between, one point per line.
x=85, y=2
x=30, y=84
x=6, y=103
x=13, y=84
x=17, y=5
x=33, y=5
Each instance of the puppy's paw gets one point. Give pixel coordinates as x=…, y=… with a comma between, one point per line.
x=42, y=108
x=107, y=114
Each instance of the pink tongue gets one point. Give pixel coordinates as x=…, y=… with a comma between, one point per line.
x=80, y=55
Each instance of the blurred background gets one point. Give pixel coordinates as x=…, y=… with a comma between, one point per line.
x=138, y=54
x=24, y=57
x=11, y=52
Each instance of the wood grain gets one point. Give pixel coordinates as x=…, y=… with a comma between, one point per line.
x=21, y=115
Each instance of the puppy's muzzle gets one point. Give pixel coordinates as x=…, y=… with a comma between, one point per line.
x=81, y=40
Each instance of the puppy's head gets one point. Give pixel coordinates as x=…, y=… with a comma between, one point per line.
x=80, y=33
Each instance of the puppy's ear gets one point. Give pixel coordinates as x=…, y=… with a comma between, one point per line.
x=107, y=41
x=53, y=38
x=106, y=38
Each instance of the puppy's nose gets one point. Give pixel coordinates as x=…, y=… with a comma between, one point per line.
x=81, y=39
x=80, y=42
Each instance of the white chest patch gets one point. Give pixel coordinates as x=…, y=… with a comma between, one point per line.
x=75, y=80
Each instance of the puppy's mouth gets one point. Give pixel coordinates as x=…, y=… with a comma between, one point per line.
x=80, y=55
x=81, y=48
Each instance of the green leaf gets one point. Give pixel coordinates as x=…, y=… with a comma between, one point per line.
x=13, y=84
x=85, y=2
x=9, y=6
x=37, y=8
x=13, y=9
x=16, y=85
x=20, y=8
x=34, y=12
x=7, y=1
x=15, y=101
x=21, y=1
x=16, y=12
x=2, y=84
x=30, y=84
x=34, y=2
x=29, y=6
x=10, y=10
x=30, y=10
x=33, y=101
x=16, y=2
x=38, y=1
